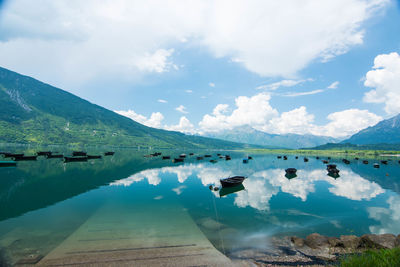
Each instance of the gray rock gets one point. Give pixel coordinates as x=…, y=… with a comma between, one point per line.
x=297, y=241
x=334, y=242
x=350, y=241
x=378, y=241
x=397, y=243
x=316, y=240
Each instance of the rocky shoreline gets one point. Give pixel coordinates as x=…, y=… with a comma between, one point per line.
x=315, y=249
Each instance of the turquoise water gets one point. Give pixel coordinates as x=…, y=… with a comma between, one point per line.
x=43, y=202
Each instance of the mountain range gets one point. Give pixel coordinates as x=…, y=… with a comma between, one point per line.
x=249, y=135
x=34, y=112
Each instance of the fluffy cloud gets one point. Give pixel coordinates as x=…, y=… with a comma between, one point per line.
x=155, y=119
x=348, y=122
x=257, y=112
x=184, y=126
x=283, y=83
x=254, y=111
x=89, y=40
x=385, y=78
x=181, y=109
x=162, y=101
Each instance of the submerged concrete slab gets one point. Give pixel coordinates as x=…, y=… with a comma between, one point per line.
x=126, y=235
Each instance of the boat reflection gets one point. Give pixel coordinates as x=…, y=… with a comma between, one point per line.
x=230, y=190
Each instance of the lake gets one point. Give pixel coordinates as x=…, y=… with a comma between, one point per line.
x=48, y=207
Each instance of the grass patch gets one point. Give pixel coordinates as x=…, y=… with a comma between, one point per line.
x=373, y=258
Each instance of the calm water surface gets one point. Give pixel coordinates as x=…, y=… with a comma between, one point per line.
x=44, y=202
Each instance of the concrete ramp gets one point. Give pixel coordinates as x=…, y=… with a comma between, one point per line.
x=118, y=235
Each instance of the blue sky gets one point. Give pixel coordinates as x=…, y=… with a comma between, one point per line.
x=147, y=60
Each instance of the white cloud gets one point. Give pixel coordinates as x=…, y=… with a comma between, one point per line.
x=184, y=126
x=189, y=91
x=155, y=119
x=151, y=175
x=156, y=62
x=181, y=109
x=77, y=42
x=211, y=84
x=162, y=101
x=385, y=78
x=283, y=83
x=333, y=85
x=348, y=122
x=254, y=111
x=313, y=92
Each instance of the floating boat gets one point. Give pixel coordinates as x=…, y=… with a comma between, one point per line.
x=109, y=153
x=284, y=158
x=191, y=154
x=218, y=154
x=245, y=160
x=25, y=158
x=199, y=158
x=12, y=155
x=207, y=156
x=8, y=164
x=230, y=190
x=296, y=157
x=325, y=161
x=291, y=170
x=356, y=158
x=376, y=165
x=79, y=153
x=75, y=159
x=93, y=156
x=365, y=161
x=213, y=161
x=346, y=161
x=182, y=156
x=175, y=160
x=166, y=157
x=227, y=157
x=384, y=162
x=317, y=157
x=55, y=156
x=232, y=181
x=250, y=157
x=330, y=166
x=43, y=153
x=329, y=158
x=279, y=157
x=290, y=175
x=305, y=159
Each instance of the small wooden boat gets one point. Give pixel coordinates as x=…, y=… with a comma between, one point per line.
x=25, y=158
x=75, y=159
x=207, y=156
x=227, y=157
x=218, y=154
x=296, y=157
x=191, y=154
x=12, y=155
x=325, y=161
x=384, y=162
x=245, y=160
x=109, y=153
x=213, y=161
x=8, y=164
x=93, y=156
x=79, y=153
x=55, y=156
x=376, y=165
x=330, y=166
x=365, y=161
x=346, y=161
x=182, y=156
x=356, y=158
x=279, y=157
x=176, y=160
x=166, y=157
x=284, y=158
x=305, y=159
x=43, y=153
x=250, y=157
x=199, y=158
x=232, y=181
x=230, y=190
x=291, y=170
x=329, y=158
x=317, y=157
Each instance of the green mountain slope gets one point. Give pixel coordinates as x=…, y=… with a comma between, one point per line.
x=249, y=135
x=386, y=131
x=35, y=112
